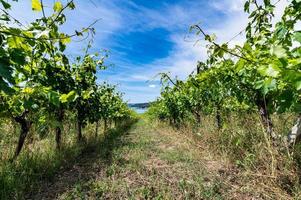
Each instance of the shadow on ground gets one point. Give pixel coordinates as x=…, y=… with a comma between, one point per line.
x=95, y=156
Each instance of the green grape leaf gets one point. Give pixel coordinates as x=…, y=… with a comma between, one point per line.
x=247, y=6
x=271, y=70
x=36, y=5
x=268, y=85
x=53, y=97
x=71, y=96
x=5, y=71
x=66, y=39
x=297, y=36
x=278, y=51
x=5, y=4
x=57, y=7
x=87, y=94
x=5, y=87
x=298, y=85
x=72, y=5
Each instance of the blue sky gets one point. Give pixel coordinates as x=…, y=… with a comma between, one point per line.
x=146, y=37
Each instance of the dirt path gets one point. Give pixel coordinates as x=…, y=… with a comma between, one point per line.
x=143, y=163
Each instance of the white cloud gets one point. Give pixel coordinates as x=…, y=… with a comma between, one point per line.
x=152, y=86
x=122, y=17
x=228, y=6
x=182, y=60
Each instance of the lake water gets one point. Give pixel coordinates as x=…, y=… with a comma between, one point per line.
x=140, y=110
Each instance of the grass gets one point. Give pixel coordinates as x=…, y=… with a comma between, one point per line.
x=40, y=161
x=253, y=165
x=150, y=165
x=151, y=160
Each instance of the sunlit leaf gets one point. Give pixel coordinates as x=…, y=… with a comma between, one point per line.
x=57, y=7
x=36, y=5
x=297, y=36
x=278, y=51
x=71, y=96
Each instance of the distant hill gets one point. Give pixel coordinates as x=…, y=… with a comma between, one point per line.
x=139, y=105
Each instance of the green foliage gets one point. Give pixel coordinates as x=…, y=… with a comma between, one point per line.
x=263, y=74
x=36, y=5
x=38, y=82
x=40, y=89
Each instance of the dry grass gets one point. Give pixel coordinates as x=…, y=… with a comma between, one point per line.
x=242, y=157
x=151, y=164
x=155, y=161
